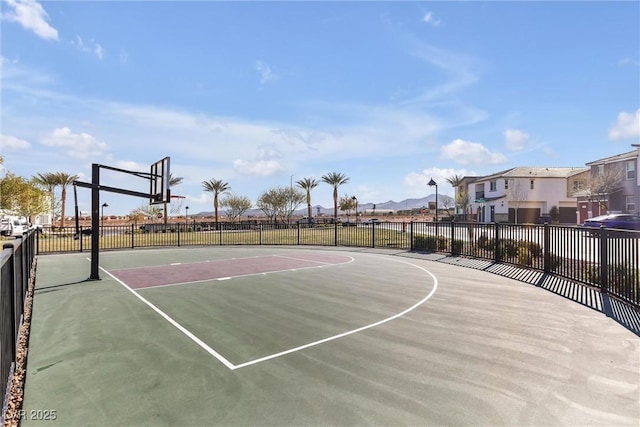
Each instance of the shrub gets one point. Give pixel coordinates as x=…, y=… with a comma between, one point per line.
x=456, y=246
x=429, y=243
x=524, y=256
x=508, y=248
x=533, y=247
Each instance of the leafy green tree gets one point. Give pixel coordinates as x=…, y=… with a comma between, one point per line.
x=22, y=197
x=280, y=202
x=347, y=204
x=215, y=186
x=308, y=184
x=335, y=179
x=64, y=180
x=235, y=206
x=273, y=202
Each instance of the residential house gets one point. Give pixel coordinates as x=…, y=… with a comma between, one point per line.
x=524, y=194
x=613, y=186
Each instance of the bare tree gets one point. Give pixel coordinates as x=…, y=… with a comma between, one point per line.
x=462, y=201
x=445, y=202
x=602, y=183
x=517, y=194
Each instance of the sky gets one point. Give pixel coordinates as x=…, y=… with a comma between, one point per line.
x=261, y=94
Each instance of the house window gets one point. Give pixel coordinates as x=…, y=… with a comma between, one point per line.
x=531, y=184
x=493, y=185
x=631, y=204
x=631, y=169
x=600, y=170
x=506, y=184
x=579, y=185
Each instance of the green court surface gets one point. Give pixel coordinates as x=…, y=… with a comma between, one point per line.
x=244, y=336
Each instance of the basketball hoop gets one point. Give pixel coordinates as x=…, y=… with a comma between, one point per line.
x=176, y=204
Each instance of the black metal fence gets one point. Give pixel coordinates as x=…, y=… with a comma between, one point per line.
x=604, y=258
x=15, y=266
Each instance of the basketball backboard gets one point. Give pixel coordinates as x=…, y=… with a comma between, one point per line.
x=160, y=192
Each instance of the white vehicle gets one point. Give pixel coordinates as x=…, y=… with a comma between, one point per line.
x=13, y=225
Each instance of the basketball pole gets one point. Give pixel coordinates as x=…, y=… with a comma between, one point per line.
x=95, y=221
x=95, y=201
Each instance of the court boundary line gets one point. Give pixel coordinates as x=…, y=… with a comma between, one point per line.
x=234, y=367
x=262, y=273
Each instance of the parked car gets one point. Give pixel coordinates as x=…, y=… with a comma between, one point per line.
x=348, y=224
x=307, y=221
x=371, y=221
x=621, y=221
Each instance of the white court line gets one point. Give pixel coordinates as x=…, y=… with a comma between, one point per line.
x=178, y=326
x=351, y=259
x=241, y=275
x=191, y=263
x=354, y=331
x=233, y=367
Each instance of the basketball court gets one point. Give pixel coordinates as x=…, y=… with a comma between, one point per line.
x=317, y=336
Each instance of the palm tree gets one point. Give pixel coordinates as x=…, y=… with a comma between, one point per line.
x=455, y=180
x=64, y=180
x=49, y=181
x=335, y=179
x=308, y=184
x=215, y=186
x=173, y=181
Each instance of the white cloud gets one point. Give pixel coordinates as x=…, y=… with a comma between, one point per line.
x=124, y=56
x=626, y=127
x=516, y=139
x=79, y=146
x=470, y=153
x=12, y=143
x=417, y=182
x=431, y=20
x=266, y=75
x=32, y=16
x=258, y=167
x=90, y=47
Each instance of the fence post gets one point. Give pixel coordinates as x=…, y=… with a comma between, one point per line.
x=178, y=229
x=335, y=233
x=604, y=261
x=373, y=234
x=453, y=237
x=132, y=237
x=298, y=224
x=260, y=234
x=546, y=245
x=411, y=235
x=497, y=256
x=8, y=329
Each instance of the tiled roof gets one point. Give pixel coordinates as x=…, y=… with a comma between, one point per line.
x=537, y=172
x=616, y=158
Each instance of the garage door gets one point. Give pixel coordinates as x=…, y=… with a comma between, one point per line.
x=525, y=215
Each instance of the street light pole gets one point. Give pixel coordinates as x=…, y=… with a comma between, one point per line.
x=186, y=214
x=356, y=200
x=431, y=184
x=104, y=205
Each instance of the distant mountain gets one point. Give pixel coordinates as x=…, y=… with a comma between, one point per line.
x=384, y=207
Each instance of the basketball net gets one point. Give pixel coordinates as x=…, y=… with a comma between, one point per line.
x=175, y=206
